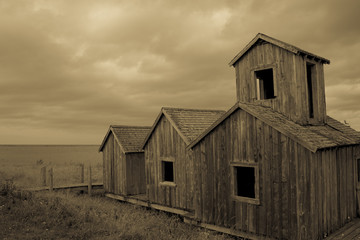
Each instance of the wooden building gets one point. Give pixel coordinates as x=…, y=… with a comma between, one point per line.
x=275, y=165
x=169, y=165
x=123, y=160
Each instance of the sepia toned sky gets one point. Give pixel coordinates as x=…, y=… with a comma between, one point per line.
x=69, y=69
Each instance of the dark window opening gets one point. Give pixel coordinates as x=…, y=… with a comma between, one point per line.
x=358, y=169
x=168, y=171
x=245, y=181
x=265, y=84
x=309, y=76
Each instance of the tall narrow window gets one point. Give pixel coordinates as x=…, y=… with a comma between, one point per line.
x=309, y=76
x=358, y=169
x=265, y=84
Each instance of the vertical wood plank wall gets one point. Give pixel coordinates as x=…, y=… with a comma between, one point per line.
x=303, y=195
x=164, y=143
x=135, y=173
x=289, y=77
x=124, y=174
x=119, y=179
x=108, y=156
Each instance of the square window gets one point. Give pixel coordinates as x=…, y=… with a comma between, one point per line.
x=245, y=181
x=265, y=84
x=167, y=171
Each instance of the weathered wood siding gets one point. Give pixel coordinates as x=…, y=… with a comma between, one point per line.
x=289, y=82
x=108, y=162
x=124, y=174
x=119, y=180
x=326, y=190
x=135, y=173
x=166, y=143
x=302, y=194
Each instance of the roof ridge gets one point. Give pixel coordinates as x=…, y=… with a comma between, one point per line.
x=128, y=126
x=193, y=109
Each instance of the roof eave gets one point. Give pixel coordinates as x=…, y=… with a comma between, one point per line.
x=151, y=130
x=278, y=43
x=339, y=146
x=212, y=126
x=292, y=136
x=104, y=140
x=186, y=140
x=115, y=137
x=238, y=105
x=173, y=124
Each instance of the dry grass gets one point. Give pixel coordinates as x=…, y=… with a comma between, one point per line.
x=27, y=174
x=22, y=163
x=62, y=215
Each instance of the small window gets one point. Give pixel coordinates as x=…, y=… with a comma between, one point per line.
x=246, y=182
x=265, y=84
x=167, y=171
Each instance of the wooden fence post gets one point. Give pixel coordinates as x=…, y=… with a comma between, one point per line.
x=90, y=182
x=51, y=180
x=43, y=176
x=82, y=173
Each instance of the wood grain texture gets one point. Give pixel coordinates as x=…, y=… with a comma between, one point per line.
x=124, y=173
x=166, y=143
x=289, y=72
x=303, y=195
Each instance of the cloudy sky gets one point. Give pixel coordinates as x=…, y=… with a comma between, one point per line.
x=69, y=69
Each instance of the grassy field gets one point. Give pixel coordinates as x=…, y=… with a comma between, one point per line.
x=64, y=215
x=71, y=215
x=28, y=175
x=22, y=164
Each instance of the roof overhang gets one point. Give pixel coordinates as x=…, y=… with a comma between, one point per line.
x=248, y=109
x=260, y=37
x=164, y=113
x=110, y=131
x=105, y=139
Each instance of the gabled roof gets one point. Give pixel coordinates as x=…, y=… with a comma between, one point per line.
x=129, y=138
x=332, y=134
x=189, y=123
x=260, y=38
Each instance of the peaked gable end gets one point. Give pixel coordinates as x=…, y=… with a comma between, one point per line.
x=260, y=38
x=129, y=138
x=286, y=78
x=188, y=123
x=313, y=138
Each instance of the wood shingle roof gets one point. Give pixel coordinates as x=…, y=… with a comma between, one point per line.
x=189, y=123
x=129, y=138
x=332, y=134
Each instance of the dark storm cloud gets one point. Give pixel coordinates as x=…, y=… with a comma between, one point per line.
x=68, y=70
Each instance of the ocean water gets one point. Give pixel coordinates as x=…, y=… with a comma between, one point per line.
x=50, y=154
